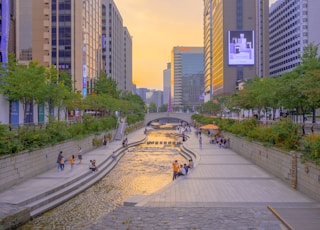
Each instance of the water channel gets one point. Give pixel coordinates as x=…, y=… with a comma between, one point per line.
x=144, y=169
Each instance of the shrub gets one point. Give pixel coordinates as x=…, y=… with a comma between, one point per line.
x=288, y=134
x=310, y=146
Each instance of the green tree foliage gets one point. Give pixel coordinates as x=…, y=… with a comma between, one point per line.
x=212, y=107
x=163, y=108
x=135, y=100
x=152, y=107
x=106, y=85
x=22, y=83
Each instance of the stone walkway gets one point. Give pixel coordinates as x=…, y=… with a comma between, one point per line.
x=223, y=191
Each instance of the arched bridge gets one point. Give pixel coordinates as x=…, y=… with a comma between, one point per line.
x=149, y=117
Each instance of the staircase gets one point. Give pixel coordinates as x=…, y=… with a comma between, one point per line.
x=121, y=127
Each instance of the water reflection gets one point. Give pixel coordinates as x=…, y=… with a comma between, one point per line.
x=143, y=170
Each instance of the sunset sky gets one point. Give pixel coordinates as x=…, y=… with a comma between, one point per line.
x=156, y=26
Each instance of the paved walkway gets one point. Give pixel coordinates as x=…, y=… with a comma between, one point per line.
x=49, y=189
x=223, y=191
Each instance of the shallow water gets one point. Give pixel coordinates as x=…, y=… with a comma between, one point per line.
x=143, y=170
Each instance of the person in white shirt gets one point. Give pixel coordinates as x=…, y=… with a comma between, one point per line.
x=182, y=171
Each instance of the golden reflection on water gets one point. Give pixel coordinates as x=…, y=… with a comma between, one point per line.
x=143, y=170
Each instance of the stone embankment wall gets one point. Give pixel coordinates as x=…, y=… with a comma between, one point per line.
x=305, y=177
x=19, y=167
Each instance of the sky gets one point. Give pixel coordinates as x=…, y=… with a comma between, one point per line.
x=156, y=26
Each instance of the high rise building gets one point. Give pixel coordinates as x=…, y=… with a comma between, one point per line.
x=235, y=44
x=293, y=25
x=154, y=96
x=187, y=76
x=127, y=61
x=142, y=92
x=66, y=34
x=166, y=84
x=7, y=38
x=117, y=47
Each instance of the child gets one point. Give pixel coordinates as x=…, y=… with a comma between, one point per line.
x=72, y=161
x=93, y=166
x=62, y=163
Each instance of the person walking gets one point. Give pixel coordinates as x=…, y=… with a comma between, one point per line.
x=62, y=162
x=190, y=165
x=176, y=169
x=105, y=142
x=200, y=142
x=72, y=161
x=59, y=161
x=80, y=154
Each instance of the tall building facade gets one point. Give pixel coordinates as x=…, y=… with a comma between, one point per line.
x=68, y=35
x=117, y=47
x=235, y=44
x=154, y=96
x=142, y=92
x=166, y=84
x=7, y=45
x=293, y=25
x=186, y=76
x=127, y=61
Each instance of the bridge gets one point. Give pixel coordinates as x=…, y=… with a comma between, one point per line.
x=149, y=117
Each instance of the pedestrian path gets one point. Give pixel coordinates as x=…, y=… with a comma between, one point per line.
x=47, y=190
x=223, y=178
x=223, y=191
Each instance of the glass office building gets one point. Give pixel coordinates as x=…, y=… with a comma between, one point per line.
x=187, y=77
x=293, y=25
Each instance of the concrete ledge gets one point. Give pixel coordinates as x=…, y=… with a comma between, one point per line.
x=132, y=201
x=12, y=216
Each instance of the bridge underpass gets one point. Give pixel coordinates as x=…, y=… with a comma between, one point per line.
x=178, y=117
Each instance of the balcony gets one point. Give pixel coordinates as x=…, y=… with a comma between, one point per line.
x=46, y=23
x=46, y=59
x=46, y=35
x=46, y=47
x=46, y=12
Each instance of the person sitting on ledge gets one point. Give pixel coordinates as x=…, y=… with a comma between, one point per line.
x=93, y=166
x=182, y=171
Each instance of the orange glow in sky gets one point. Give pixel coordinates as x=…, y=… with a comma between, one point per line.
x=156, y=26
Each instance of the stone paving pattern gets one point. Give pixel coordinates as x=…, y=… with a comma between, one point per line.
x=222, y=191
x=160, y=218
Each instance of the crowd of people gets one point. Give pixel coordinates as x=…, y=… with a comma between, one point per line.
x=181, y=169
x=61, y=161
x=220, y=140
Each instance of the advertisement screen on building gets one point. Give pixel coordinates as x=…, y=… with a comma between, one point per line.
x=241, y=47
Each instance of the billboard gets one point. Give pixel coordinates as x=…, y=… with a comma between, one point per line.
x=241, y=47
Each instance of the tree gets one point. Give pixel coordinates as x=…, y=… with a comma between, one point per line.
x=311, y=90
x=106, y=85
x=309, y=69
x=22, y=83
x=57, y=90
x=135, y=100
x=152, y=107
x=212, y=107
x=163, y=108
